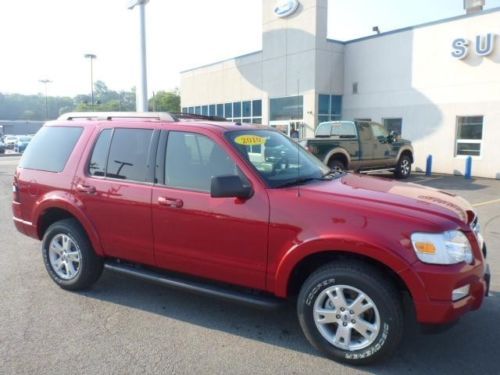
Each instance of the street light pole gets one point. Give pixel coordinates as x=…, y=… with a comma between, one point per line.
x=141, y=96
x=46, y=82
x=91, y=57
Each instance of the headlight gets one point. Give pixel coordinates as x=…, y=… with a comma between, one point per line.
x=442, y=248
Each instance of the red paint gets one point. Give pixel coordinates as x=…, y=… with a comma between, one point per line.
x=257, y=242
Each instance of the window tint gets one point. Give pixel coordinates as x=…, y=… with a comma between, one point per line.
x=50, y=148
x=394, y=125
x=128, y=154
x=192, y=160
x=97, y=165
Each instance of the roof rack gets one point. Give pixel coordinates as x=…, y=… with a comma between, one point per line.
x=164, y=116
x=192, y=116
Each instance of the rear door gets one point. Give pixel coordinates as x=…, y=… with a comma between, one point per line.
x=219, y=238
x=114, y=186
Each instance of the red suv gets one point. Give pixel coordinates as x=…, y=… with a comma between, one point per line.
x=244, y=213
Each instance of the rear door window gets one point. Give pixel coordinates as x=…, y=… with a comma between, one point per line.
x=50, y=148
x=128, y=154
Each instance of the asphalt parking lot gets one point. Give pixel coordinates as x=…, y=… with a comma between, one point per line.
x=125, y=326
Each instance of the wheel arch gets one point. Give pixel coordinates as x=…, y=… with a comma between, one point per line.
x=52, y=210
x=338, y=154
x=406, y=150
x=298, y=264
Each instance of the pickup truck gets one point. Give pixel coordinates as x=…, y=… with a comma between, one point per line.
x=360, y=146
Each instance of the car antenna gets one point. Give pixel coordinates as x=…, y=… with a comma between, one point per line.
x=298, y=145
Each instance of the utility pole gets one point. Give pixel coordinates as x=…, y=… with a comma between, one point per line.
x=141, y=95
x=46, y=82
x=91, y=57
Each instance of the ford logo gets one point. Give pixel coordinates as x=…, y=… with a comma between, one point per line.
x=284, y=8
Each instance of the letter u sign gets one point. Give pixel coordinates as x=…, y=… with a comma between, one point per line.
x=483, y=46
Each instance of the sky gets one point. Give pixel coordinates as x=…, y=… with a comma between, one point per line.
x=47, y=39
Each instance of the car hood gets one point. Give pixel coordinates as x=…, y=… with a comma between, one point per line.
x=397, y=195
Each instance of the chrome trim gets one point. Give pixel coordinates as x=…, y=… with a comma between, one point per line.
x=22, y=221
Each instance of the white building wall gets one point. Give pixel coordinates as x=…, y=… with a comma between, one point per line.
x=412, y=75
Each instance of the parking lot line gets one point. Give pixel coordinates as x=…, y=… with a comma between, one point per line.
x=486, y=203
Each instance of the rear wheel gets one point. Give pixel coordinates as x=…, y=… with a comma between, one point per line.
x=351, y=313
x=69, y=257
x=337, y=165
x=403, y=168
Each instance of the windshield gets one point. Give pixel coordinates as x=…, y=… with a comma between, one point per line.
x=278, y=159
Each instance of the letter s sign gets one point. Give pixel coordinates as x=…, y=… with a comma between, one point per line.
x=460, y=48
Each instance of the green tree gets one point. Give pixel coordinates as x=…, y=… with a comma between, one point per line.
x=166, y=101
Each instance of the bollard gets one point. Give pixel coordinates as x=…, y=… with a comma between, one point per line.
x=428, y=166
x=468, y=167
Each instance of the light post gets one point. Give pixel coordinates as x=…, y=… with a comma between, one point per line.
x=91, y=57
x=141, y=95
x=46, y=82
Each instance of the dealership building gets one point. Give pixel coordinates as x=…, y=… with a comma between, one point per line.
x=437, y=84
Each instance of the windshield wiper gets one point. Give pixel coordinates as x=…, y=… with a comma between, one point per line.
x=300, y=181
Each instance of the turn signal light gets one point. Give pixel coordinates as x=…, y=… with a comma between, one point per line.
x=426, y=247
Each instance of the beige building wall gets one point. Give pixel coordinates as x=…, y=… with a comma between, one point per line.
x=412, y=75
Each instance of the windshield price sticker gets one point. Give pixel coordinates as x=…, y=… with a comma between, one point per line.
x=250, y=140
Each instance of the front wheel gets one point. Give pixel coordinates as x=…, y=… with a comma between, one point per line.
x=351, y=313
x=403, y=168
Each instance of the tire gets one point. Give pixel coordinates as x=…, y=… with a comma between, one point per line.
x=351, y=280
x=403, y=168
x=69, y=257
x=337, y=165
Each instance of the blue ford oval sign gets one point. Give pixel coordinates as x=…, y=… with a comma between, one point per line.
x=284, y=8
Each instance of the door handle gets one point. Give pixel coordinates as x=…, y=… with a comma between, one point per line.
x=86, y=188
x=170, y=202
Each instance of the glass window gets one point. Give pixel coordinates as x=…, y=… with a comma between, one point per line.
x=379, y=131
x=128, y=154
x=344, y=129
x=336, y=105
x=204, y=110
x=257, y=108
x=257, y=120
x=286, y=108
x=97, y=165
x=237, y=109
x=394, y=125
x=323, y=118
x=211, y=110
x=184, y=110
x=220, y=110
x=324, y=104
x=277, y=159
x=197, y=110
x=192, y=160
x=228, y=110
x=50, y=148
x=247, y=109
x=469, y=135
x=324, y=129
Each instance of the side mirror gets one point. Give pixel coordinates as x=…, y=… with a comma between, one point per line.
x=392, y=137
x=230, y=187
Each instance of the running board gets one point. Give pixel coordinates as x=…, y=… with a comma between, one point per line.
x=260, y=301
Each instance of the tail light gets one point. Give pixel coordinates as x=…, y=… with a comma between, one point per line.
x=15, y=190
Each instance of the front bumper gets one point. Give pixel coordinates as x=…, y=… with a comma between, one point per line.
x=437, y=306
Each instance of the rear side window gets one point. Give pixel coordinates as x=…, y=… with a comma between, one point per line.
x=128, y=154
x=97, y=166
x=50, y=148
